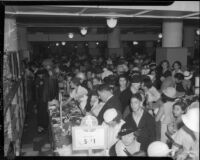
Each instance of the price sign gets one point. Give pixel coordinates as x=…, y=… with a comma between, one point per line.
x=84, y=138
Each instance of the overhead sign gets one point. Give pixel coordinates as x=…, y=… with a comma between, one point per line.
x=85, y=138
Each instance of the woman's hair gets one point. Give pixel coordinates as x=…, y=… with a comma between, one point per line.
x=165, y=98
x=147, y=82
x=179, y=76
x=182, y=105
x=177, y=62
x=137, y=96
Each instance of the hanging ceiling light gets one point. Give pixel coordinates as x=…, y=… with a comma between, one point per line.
x=198, y=31
x=97, y=43
x=160, y=35
x=135, y=43
x=63, y=43
x=57, y=44
x=112, y=22
x=83, y=31
x=70, y=35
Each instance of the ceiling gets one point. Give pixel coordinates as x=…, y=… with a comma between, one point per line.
x=62, y=18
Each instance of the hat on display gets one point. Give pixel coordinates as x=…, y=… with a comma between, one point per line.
x=170, y=92
x=109, y=115
x=191, y=119
x=158, y=149
x=187, y=75
x=126, y=129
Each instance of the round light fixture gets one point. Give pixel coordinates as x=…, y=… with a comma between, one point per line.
x=198, y=31
x=86, y=44
x=63, y=43
x=97, y=43
x=135, y=43
x=57, y=44
x=160, y=35
x=83, y=31
x=70, y=35
x=111, y=22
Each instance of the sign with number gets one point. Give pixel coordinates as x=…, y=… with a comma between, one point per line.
x=84, y=138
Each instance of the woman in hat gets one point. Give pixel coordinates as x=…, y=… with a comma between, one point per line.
x=127, y=145
x=188, y=136
x=164, y=114
x=113, y=121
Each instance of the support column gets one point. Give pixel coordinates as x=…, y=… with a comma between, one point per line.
x=188, y=39
x=114, y=43
x=150, y=49
x=10, y=35
x=93, y=50
x=172, y=33
x=172, y=49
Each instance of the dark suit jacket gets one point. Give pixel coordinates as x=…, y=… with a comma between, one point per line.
x=113, y=102
x=146, y=128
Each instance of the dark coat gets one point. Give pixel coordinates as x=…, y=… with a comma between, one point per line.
x=146, y=129
x=113, y=102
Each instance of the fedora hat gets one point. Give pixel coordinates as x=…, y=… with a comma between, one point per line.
x=170, y=92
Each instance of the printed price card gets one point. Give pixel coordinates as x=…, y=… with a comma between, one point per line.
x=84, y=138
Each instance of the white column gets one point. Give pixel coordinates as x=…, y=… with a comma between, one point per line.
x=172, y=33
x=10, y=35
x=188, y=39
x=172, y=49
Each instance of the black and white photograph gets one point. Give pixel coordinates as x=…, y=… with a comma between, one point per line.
x=101, y=80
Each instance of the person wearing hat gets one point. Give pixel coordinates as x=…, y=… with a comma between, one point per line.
x=142, y=121
x=113, y=121
x=127, y=145
x=164, y=114
x=188, y=136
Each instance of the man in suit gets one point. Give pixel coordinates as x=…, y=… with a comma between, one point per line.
x=111, y=101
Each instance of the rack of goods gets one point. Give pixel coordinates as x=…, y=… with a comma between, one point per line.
x=13, y=102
